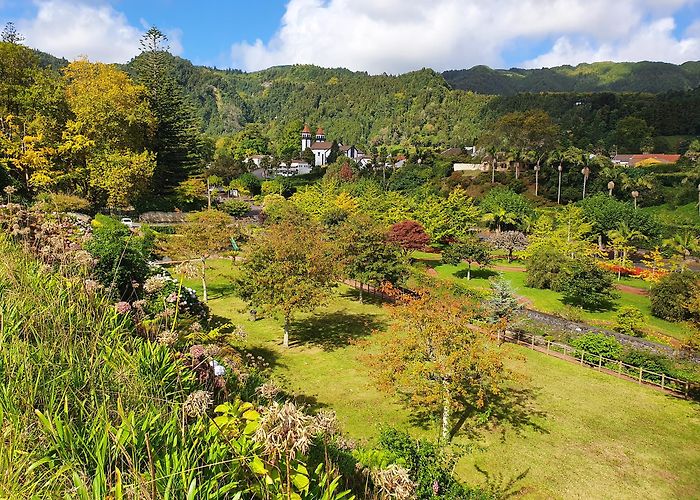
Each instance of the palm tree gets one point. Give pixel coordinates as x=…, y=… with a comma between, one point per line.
x=557, y=157
x=493, y=153
x=622, y=239
x=499, y=217
x=684, y=245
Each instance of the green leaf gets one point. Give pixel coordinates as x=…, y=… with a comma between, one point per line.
x=257, y=466
x=251, y=415
x=250, y=428
x=301, y=481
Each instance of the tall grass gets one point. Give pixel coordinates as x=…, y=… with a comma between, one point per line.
x=86, y=408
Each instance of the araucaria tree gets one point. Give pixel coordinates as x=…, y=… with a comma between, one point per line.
x=288, y=267
x=472, y=250
x=439, y=361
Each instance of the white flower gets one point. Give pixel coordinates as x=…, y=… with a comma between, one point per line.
x=219, y=370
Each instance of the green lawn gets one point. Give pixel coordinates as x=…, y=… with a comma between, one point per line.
x=550, y=302
x=581, y=434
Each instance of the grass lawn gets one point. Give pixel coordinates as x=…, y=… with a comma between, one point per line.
x=550, y=302
x=581, y=434
x=684, y=215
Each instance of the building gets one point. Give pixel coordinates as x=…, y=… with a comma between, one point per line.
x=295, y=167
x=321, y=148
x=633, y=160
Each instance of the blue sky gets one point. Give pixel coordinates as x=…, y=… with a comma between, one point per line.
x=371, y=35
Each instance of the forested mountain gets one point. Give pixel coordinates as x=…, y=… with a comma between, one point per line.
x=653, y=77
x=423, y=109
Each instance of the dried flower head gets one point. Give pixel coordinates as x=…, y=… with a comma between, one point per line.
x=122, y=307
x=394, y=482
x=155, y=284
x=326, y=423
x=167, y=337
x=284, y=431
x=197, y=404
x=268, y=391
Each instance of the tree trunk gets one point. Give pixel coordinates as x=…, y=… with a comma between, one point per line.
x=469, y=271
x=445, y=411
x=286, y=333
x=204, y=280
x=600, y=242
x=361, y=293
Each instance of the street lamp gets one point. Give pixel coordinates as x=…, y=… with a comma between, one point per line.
x=586, y=172
x=560, y=168
x=611, y=186
x=635, y=195
x=537, y=178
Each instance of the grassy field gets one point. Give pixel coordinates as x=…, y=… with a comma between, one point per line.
x=576, y=432
x=550, y=302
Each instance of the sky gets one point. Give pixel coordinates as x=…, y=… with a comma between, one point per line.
x=377, y=36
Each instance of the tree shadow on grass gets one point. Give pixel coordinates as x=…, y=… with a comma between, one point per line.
x=514, y=409
x=334, y=330
x=220, y=290
x=477, y=273
x=270, y=356
x=367, y=298
x=501, y=487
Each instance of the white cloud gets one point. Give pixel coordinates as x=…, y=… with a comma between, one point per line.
x=650, y=41
x=72, y=29
x=399, y=35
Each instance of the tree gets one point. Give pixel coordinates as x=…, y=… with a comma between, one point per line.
x=124, y=176
x=288, y=268
x=547, y=268
x=683, y=245
x=334, y=153
x=11, y=35
x=176, y=141
x=503, y=303
x=589, y=286
x=472, y=250
x=366, y=254
x=623, y=239
x=504, y=208
x=630, y=132
x=438, y=361
x=448, y=219
x=672, y=295
x=202, y=236
x=409, y=235
x=510, y=241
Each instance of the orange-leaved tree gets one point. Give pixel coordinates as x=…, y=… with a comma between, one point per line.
x=439, y=361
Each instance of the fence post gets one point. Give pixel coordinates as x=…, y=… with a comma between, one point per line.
x=640, y=374
x=619, y=367
x=532, y=338
x=548, y=344
x=663, y=380
x=600, y=361
x=687, y=385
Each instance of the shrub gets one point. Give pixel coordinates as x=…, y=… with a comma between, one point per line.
x=235, y=208
x=649, y=361
x=59, y=202
x=597, y=344
x=589, y=286
x=630, y=321
x=672, y=294
x=547, y=268
x=122, y=258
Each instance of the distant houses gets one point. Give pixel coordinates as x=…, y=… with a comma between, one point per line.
x=635, y=160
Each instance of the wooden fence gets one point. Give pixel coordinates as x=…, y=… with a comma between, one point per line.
x=596, y=361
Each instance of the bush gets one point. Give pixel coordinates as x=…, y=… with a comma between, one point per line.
x=428, y=465
x=122, y=258
x=547, y=269
x=671, y=296
x=630, y=321
x=597, y=344
x=59, y=202
x=588, y=286
x=649, y=361
x=235, y=208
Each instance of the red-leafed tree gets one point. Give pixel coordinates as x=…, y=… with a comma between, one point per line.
x=409, y=235
x=346, y=173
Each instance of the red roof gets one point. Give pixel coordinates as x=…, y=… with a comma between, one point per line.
x=325, y=145
x=306, y=130
x=320, y=131
x=660, y=158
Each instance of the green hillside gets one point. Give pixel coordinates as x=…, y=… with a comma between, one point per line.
x=653, y=77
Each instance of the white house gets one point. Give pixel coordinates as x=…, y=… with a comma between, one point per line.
x=295, y=167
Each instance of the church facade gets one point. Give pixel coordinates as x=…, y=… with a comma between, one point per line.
x=321, y=148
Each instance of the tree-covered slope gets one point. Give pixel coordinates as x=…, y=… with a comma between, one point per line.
x=653, y=77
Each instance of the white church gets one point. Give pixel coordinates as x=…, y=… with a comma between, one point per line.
x=322, y=148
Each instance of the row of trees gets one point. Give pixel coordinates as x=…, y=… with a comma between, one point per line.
x=94, y=130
